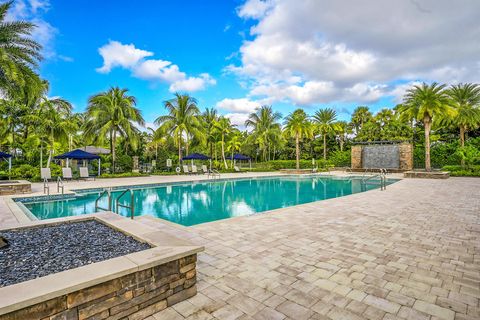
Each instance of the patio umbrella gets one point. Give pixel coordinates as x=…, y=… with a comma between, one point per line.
x=79, y=154
x=7, y=157
x=197, y=156
x=241, y=157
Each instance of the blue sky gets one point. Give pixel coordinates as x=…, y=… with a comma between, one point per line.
x=237, y=55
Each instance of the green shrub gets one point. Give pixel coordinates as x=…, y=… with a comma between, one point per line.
x=340, y=158
x=291, y=164
x=123, y=175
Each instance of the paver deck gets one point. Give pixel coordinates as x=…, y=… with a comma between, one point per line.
x=410, y=252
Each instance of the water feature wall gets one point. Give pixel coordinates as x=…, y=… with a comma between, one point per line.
x=397, y=156
x=381, y=156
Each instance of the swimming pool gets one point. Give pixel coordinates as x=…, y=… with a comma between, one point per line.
x=191, y=203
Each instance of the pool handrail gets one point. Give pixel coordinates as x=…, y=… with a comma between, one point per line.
x=109, y=195
x=131, y=206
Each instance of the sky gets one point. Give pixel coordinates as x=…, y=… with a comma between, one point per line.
x=237, y=55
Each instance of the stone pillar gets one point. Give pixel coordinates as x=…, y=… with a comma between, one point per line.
x=135, y=164
x=356, y=157
x=406, y=156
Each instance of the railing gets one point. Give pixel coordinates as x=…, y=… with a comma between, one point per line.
x=383, y=180
x=131, y=206
x=46, y=186
x=214, y=173
x=60, y=185
x=109, y=196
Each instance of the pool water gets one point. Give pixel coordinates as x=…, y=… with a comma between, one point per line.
x=198, y=202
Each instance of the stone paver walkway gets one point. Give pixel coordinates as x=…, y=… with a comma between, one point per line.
x=411, y=252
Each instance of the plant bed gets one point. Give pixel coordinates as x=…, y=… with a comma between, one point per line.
x=100, y=279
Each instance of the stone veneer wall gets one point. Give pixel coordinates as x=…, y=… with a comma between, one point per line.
x=405, y=153
x=133, y=296
x=15, y=188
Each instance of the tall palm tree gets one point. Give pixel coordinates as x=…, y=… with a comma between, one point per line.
x=265, y=124
x=223, y=127
x=298, y=126
x=360, y=116
x=234, y=143
x=342, y=130
x=181, y=121
x=465, y=99
x=325, y=120
x=425, y=103
x=209, y=117
x=113, y=113
x=19, y=53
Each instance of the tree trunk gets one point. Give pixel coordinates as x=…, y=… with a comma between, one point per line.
x=341, y=143
x=41, y=155
x=427, y=123
x=114, y=138
x=232, y=159
x=179, y=148
x=223, y=153
x=324, y=147
x=297, y=150
x=462, y=142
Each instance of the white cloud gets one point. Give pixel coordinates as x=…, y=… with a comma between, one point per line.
x=238, y=106
x=237, y=119
x=352, y=51
x=116, y=54
x=127, y=56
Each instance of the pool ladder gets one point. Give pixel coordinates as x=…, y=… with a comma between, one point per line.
x=383, y=178
x=118, y=205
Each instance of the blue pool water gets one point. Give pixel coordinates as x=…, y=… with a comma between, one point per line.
x=198, y=202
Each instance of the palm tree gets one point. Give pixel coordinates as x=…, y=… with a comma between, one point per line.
x=325, y=120
x=465, y=99
x=181, y=121
x=113, y=113
x=209, y=117
x=298, y=126
x=264, y=122
x=425, y=103
x=19, y=54
x=234, y=143
x=223, y=127
x=360, y=116
x=342, y=130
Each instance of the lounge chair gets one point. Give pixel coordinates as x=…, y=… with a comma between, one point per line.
x=194, y=169
x=185, y=169
x=204, y=169
x=84, y=174
x=67, y=174
x=46, y=174
x=237, y=169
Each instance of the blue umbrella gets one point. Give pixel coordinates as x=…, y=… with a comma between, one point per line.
x=6, y=156
x=238, y=156
x=196, y=156
x=79, y=154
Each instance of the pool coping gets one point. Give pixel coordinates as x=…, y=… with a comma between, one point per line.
x=165, y=248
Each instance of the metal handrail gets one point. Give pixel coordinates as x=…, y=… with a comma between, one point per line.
x=60, y=185
x=214, y=173
x=109, y=196
x=383, y=180
x=131, y=206
x=46, y=186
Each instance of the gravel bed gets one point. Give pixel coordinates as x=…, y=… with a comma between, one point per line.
x=40, y=251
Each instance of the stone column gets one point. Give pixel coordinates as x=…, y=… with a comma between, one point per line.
x=406, y=156
x=356, y=157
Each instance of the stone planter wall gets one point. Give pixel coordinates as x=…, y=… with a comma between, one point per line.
x=132, y=296
x=15, y=188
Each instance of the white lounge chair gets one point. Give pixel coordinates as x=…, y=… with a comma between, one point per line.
x=237, y=169
x=204, y=169
x=67, y=174
x=194, y=169
x=46, y=174
x=185, y=169
x=84, y=174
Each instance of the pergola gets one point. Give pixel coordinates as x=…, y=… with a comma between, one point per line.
x=79, y=154
x=7, y=157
